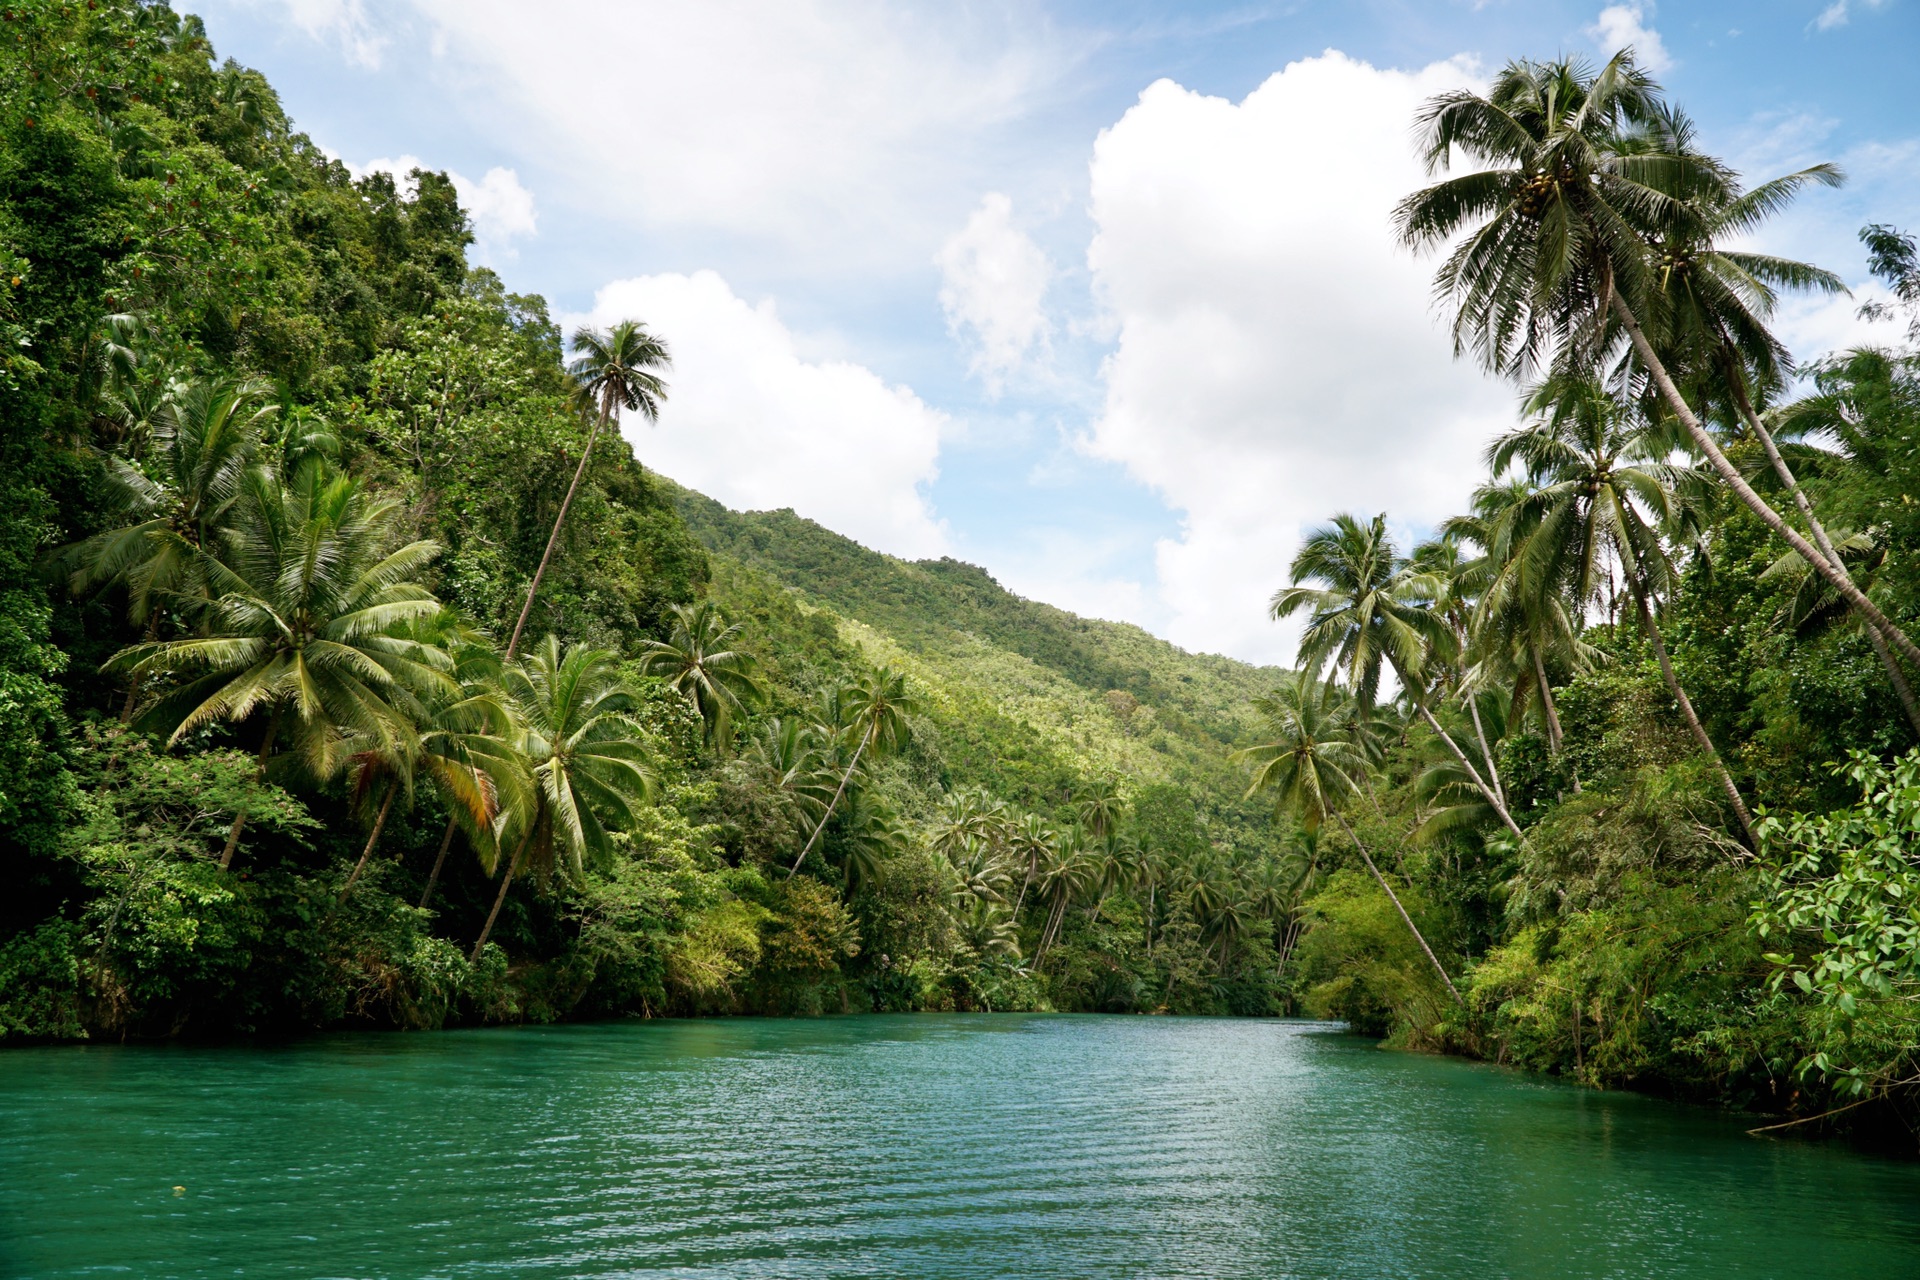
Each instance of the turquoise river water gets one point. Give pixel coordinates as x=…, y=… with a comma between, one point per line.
x=993, y=1146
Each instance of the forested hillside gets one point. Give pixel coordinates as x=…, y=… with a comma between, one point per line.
x=360, y=674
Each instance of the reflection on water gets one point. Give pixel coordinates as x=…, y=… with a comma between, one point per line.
x=1003, y=1146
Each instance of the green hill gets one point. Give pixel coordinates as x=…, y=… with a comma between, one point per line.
x=1025, y=697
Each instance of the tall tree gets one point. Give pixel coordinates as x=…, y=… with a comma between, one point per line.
x=172, y=508
x=1311, y=767
x=311, y=601
x=588, y=759
x=1604, y=495
x=615, y=369
x=702, y=661
x=1570, y=193
x=1367, y=609
x=874, y=711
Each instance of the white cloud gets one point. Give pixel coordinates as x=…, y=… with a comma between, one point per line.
x=993, y=290
x=747, y=421
x=1278, y=358
x=502, y=212
x=1624, y=26
x=500, y=209
x=837, y=128
x=1839, y=13
x=341, y=22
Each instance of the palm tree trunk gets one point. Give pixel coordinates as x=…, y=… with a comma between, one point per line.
x=440, y=860
x=500, y=898
x=822, y=824
x=1024, y=886
x=133, y=681
x=1895, y=675
x=1395, y=899
x=1554, y=738
x=1867, y=609
x=1486, y=748
x=1698, y=730
x=260, y=774
x=1499, y=806
x=373, y=838
x=553, y=539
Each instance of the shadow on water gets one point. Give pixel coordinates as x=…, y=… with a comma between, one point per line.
x=908, y=1145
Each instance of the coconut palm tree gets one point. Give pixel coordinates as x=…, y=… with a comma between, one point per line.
x=1099, y=808
x=172, y=509
x=1604, y=495
x=589, y=763
x=873, y=711
x=311, y=600
x=463, y=748
x=1574, y=192
x=1366, y=609
x=791, y=750
x=701, y=661
x=1067, y=870
x=616, y=369
x=1312, y=768
x=1028, y=840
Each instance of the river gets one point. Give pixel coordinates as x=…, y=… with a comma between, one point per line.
x=913, y=1146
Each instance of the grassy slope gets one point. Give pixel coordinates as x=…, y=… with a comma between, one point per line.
x=1018, y=688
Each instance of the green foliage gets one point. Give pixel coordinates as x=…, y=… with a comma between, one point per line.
x=1846, y=887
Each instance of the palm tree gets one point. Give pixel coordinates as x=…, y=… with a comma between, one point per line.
x=1028, y=840
x=790, y=750
x=1067, y=870
x=462, y=747
x=616, y=370
x=172, y=509
x=1099, y=808
x=1603, y=494
x=590, y=767
x=1367, y=610
x=1576, y=190
x=872, y=835
x=874, y=710
x=699, y=661
x=1312, y=767
x=311, y=599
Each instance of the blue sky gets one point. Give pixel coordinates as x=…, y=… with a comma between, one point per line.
x=1099, y=296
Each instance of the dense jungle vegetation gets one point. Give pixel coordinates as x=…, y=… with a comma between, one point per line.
x=353, y=672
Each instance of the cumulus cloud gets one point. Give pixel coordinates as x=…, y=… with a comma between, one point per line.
x=500, y=209
x=1278, y=357
x=1624, y=26
x=837, y=127
x=343, y=23
x=993, y=290
x=751, y=423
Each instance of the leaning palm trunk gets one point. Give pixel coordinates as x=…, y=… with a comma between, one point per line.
x=1694, y=726
x=439, y=861
x=1547, y=706
x=499, y=899
x=260, y=773
x=822, y=824
x=553, y=539
x=1479, y=782
x=1895, y=675
x=1395, y=899
x=1868, y=610
x=373, y=838
x=1486, y=748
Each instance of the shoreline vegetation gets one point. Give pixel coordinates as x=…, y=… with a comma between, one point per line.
x=354, y=673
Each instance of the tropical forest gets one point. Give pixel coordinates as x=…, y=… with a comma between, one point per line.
x=358, y=672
